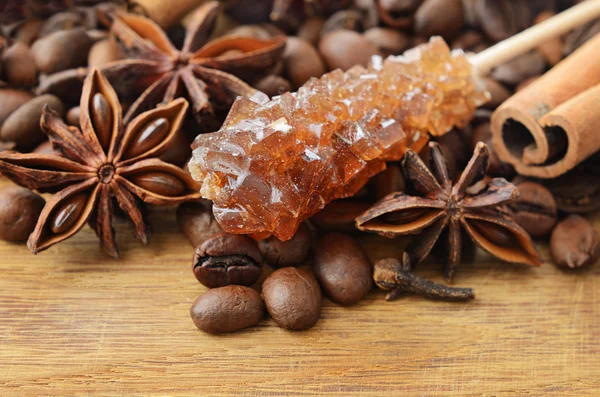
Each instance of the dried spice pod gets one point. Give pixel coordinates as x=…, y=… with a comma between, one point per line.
x=389, y=275
x=98, y=164
x=206, y=71
x=574, y=243
x=549, y=127
x=440, y=205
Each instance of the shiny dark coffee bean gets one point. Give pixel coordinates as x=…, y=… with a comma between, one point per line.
x=227, y=259
x=293, y=252
x=535, y=209
x=197, y=222
x=293, y=298
x=342, y=268
x=574, y=243
x=20, y=209
x=227, y=309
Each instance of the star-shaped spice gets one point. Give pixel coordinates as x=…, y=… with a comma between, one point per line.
x=473, y=204
x=105, y=160
x=208, y=73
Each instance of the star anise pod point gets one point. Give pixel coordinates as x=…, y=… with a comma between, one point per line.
x=439, y=205
x=102, y=162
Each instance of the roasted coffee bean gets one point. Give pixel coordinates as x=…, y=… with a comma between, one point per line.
x=197, y=222
x=10, y=100
x=293, y=252
x=523, y=84
x=61, y=50
x=310, y=30
x=301, y=61
x=576, y=191
x=439, y=17
x=551, y=49
x=497, y=91
x=293, y=298
x=23, y=125
x=578, y=36
x=391, y=180
x=72, y=117
x=468, y=40
x=19, y=67
x=520, y=68
x=148, y=137
x=574, y=243
x=19, y=212
x=339, y=215
x=46, y=148
x=500, y=19
x=273, y=85
x=102, y=119
x=29, y=31
x=343, y=49
x=534, y=209
x=65, y=216
x=345, y=19
x=104, y=52
x=227, y=309
x=397, y=13
x=227, y=259
x=160, y=183
x=387, y=41
x=61, y=21
x=342, y=268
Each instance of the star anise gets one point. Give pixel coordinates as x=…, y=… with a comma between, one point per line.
x=105, y=160
x=203, y=71
x=473, y=204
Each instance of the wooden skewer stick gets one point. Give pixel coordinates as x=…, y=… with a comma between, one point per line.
x=529, y=39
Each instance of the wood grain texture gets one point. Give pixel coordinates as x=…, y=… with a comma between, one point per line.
x=74, y=322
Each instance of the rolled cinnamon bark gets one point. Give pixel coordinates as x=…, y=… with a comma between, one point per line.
x=553, y=124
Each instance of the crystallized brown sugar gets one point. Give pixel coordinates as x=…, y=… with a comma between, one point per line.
x=275, y=163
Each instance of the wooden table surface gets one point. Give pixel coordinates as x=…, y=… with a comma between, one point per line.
x=75, y=322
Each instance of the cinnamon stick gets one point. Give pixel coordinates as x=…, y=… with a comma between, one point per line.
x=553, y=124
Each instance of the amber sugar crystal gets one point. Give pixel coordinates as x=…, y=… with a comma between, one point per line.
x=276, y=162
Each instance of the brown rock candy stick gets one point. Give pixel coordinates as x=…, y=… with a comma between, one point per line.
x=275, y=163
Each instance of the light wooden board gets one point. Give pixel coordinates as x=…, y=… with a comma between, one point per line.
x=74, y=322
